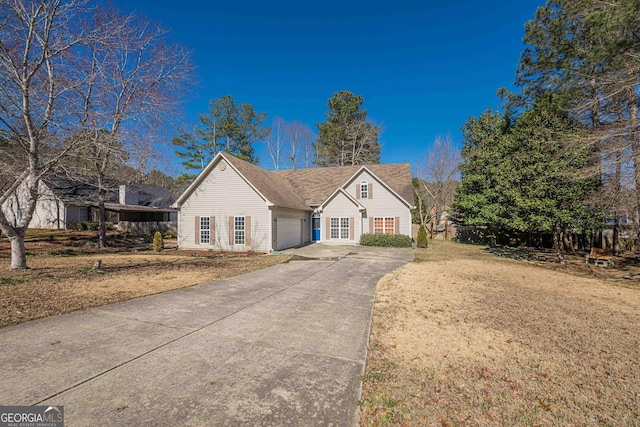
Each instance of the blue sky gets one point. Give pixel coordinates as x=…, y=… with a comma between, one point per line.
x=422, y=67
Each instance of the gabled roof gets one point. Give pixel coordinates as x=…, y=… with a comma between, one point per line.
x=305, y=188
x=274, y=189
x=349, y=197
x=316, y=185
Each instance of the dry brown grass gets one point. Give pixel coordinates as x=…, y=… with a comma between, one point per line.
x=61, y=278
x=468, y=338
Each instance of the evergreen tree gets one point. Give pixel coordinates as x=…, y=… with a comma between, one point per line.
x=521, y=177
x=346, y=137
x=586, y=50
x=227, y=127
x=422, y=240
x=546, y=187
x=478, y=198
x=196, y=154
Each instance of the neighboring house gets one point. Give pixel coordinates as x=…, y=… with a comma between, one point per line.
x=64, y=202
x=235, y=205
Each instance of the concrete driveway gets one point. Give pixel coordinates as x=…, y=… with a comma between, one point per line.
x=281, y=346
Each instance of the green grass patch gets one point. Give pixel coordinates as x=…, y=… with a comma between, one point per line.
x=11, y=281
x=420, y=255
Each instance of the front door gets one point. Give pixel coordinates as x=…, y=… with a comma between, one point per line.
x=315, y=232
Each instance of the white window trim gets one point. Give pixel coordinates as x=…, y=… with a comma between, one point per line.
x=384, y=225
x=237, y=229
x=205, y=230
x=342, y=231
x=364, y=190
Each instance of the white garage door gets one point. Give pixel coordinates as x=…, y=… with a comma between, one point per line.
x=289, y=233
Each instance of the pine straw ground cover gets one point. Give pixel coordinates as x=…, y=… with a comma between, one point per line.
x=462, y=337
x=61, y=278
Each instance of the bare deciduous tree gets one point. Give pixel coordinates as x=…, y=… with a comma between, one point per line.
x=37, y=101
x=300, y=140
x=437, y=180
x=275, y=141
x=135, y=80
x=290, y=144
x=71, y=77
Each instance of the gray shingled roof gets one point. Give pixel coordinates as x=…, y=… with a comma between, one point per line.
x=303, y=188
x=84, y=191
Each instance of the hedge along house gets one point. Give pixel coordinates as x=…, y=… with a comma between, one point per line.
x=235, y=205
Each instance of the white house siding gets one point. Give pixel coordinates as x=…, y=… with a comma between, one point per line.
x=382, y=204
x=224, y=193
x=305, y=216
x=49, y=212
x=341, y=206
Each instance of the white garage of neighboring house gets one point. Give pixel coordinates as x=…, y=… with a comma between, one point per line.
x=235, y=205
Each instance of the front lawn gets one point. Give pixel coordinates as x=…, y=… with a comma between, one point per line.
x=465, y=337
x=61, y=278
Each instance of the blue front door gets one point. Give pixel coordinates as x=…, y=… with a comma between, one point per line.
x=315, y=225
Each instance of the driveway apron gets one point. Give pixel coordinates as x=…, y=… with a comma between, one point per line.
x=280, y=346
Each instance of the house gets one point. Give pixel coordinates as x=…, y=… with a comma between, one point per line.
x=63, y=202
x=235, y=205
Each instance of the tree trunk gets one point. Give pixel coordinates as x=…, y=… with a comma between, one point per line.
x=446, y=230
x=102, y=229
x=18, y=251
x=617, y=187
x=635, y=147
x=568, y=242
x=558, y=245
x=615, y=234
x=102, y=239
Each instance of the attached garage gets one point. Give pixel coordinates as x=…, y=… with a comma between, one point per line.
x=288, y=232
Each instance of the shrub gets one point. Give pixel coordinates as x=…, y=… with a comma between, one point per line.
x=158, y=242
x=149, y=235
x=423, y=239
x=386, y=240
x=88, y=225
x=169, y=234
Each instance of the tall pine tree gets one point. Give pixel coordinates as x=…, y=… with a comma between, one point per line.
x=346, y=137
x=227, y=127
x=587, y=50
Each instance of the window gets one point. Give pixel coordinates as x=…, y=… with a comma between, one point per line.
x=384, y=225
x=238, y=230
x=83, y=214
x=339, y=228
x=205, y=229
x=364, y=190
